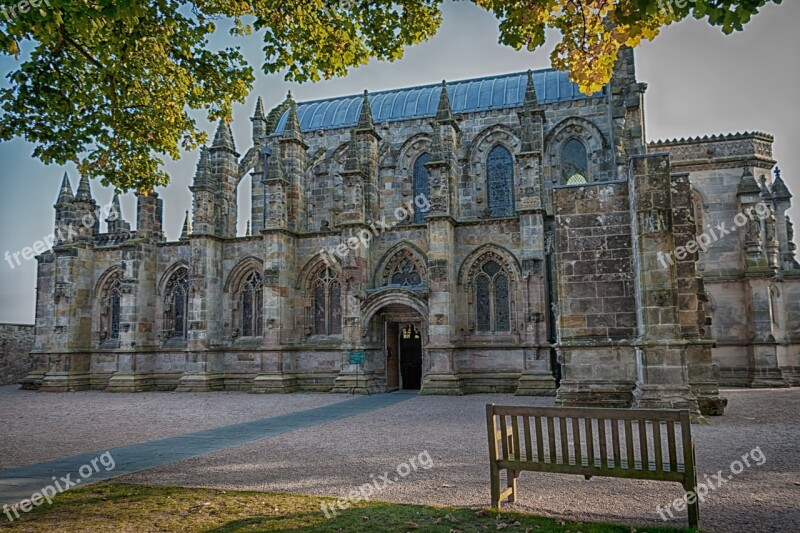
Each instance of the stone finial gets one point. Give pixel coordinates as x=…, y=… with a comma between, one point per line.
x=84, y=190
x=292, y=129
x=748, y=185
x=365, y=121
x=202, y=175
x=353, y=160
x=779, y=189
x=259, y=112
x=65, y=194
x=531, y=101
x=259, y=121
x=187, y=229
x=249, y=231
x=444, y=113
x=116, y=209
x=223, y=138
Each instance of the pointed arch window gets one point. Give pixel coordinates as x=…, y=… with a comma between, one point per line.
x=176, y=305
x=251, y=301
x=500, y=181
x=492, y=299
x=326, y=296
x=574, y=163
x=421, y=184
x=111, y=308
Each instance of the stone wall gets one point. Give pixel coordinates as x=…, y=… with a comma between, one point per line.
x=16, y=341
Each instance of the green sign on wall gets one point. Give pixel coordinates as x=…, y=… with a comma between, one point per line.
x=356, y=358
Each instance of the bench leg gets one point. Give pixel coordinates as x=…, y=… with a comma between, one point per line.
x=495, y=481
x=512, y=476
x=694, y=508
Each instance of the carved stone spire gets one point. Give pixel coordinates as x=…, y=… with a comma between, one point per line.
x=353, y=161
x=65, y=194
x=531, y=101
x=187, y=230
x=444, y=113
x=292, y=129
x=84, y=190
x=259, y=121
x=779, y=189
x=223, y=139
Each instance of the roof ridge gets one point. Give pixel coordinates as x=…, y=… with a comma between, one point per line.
x=714, y=137
x=424, y=86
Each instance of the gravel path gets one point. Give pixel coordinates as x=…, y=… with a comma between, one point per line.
x=334, y=458
x=38, y=426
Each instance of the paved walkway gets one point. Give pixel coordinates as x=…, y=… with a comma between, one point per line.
x=17, y=484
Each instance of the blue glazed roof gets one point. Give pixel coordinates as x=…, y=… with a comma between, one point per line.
x=481, y=94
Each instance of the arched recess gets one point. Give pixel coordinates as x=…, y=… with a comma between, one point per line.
x=240, y=272
x=505, y=257
x=490, y=277
x=410, y=151
x=393, y=296
x=107, y=310
x=488, y=139
x=396, y=259
x=168, y=273
x=586, y=132
x=173, y=304
x=320, y=285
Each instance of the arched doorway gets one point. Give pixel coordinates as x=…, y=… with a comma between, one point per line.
x=398, y=318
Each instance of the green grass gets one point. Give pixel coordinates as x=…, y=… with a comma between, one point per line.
x=134, y=508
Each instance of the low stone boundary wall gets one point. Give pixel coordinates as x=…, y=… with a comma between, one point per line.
x=16, y=342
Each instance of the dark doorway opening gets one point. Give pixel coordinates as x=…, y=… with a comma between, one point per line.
x=392, y=356
x=410, y=357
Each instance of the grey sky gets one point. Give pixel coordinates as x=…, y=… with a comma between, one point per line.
x=699, y=82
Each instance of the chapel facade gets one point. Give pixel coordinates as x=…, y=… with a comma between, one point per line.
x=503, y=234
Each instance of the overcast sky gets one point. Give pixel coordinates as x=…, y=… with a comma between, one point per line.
x=699, y=82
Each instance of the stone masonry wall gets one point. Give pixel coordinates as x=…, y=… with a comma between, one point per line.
x=16, y=341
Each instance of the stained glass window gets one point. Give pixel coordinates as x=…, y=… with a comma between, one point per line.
x=176, y=304
x=327, y=304
x=421, y=185
x=574, y=163
x=115, y=298
x=492, y=296
x=500, y=181
x=251, y=300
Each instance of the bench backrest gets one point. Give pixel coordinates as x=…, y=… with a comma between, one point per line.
x=637, y=443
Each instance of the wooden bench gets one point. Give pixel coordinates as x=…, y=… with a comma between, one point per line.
x=625, y=443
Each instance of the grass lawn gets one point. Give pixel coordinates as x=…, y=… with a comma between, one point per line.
x=134, y=508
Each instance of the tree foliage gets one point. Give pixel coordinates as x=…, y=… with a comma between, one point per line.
x=109, y=84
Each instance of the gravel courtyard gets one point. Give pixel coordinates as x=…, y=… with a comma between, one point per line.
x=334, y=458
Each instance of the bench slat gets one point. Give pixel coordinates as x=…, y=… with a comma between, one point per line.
x=615, y=441
x=644, y=456
x=515, y=437
x=657, y=442
x=576, y=440
x=601, y=434
x=558, y=468
x=629, y=442
x=503, y=438
x=551, y=439
x=539, y=439
x=673, y=456
x=587, y=422
x=562, y=422
x=526, y=425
